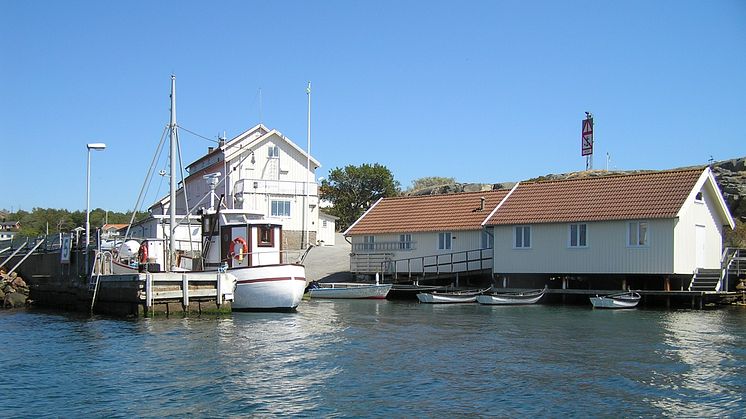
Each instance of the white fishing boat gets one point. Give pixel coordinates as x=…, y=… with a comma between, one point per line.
x=512, y=298
x=452, y=297
x=243, y=244
x=627, y=299
x=348, y=290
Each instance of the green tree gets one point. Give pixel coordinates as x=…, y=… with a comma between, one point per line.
x=430, y=181
x=354, y=189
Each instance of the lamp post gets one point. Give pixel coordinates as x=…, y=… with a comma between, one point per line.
x=99, y=147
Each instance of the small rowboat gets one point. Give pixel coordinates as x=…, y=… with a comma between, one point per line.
x=512, y=298
x=453, y=297
x=620, y=300
x=349, y=290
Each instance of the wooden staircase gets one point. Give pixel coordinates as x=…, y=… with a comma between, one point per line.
x=705, y=280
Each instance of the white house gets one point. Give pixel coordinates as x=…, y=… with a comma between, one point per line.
x=327, y=229
x=262, y=172
x=665, y=224
x=416, y=234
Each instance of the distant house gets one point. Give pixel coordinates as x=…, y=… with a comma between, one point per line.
x=112, y=230
x=327, y=229
x=262, y=172
x=8, y=229
x=424, y=233
x=662, y=224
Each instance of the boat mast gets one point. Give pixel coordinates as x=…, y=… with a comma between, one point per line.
x=172, y=196
x=306, y=227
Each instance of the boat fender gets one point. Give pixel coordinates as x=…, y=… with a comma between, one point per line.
x=142, y=253
x=238, y=254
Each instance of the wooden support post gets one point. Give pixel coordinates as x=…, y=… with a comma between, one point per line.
x=148, y=290
x=219, y=290
x=185, y=290
x=624, y=284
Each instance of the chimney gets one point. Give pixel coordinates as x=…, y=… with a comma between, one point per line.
x=481, y=204
x=209, y=149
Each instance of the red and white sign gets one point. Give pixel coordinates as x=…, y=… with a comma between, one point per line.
x=587, y=137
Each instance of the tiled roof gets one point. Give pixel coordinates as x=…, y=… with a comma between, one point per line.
x=624, y=197
x=449, y=212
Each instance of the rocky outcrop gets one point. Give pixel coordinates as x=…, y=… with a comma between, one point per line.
x=13, y=290
x=461, y=187
x=731, y=177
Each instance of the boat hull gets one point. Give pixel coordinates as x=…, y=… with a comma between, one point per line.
x=449, y=297
x=615, y=302
x=509, y=299
x=269, y=288
x=351, y=291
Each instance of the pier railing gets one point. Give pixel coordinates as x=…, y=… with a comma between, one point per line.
x=447, y=263
x=733, y=266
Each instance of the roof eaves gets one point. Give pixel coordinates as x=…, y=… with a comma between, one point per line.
x=361, y=217
x=500, y=204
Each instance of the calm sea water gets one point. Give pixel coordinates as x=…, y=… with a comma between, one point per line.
x=378, y=358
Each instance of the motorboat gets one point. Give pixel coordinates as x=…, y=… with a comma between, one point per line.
x=628, y=299
x=512, y=298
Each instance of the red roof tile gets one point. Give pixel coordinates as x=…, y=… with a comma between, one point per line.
x=624, y=197
x=450, y=212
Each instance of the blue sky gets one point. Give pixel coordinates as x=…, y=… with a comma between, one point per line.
x=483, y=91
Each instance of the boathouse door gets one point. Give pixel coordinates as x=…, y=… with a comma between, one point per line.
x=699, y=242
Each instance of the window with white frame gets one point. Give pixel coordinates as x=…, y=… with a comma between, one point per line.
x=637, y=234
x=369, y=242
x=280, y=208
x=699, y=198
x=488, y=238
x=444, y=241
x=578, y=235
x=273, y=152
x=522, y=236
x=405, y=242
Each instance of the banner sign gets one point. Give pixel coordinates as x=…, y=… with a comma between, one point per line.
x=587, y=137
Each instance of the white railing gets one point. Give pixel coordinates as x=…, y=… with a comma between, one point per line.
x=275, y=187
x=385, y=246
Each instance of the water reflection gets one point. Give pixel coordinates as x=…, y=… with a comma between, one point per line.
x=703, y=349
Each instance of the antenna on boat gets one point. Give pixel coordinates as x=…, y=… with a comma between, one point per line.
x=172, y=182
x=213, y=179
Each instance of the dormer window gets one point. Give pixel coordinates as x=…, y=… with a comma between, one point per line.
x=273, y=152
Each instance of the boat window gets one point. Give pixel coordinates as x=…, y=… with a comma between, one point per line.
x=266, y=236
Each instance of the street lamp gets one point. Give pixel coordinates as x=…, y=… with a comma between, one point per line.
x=99, y=147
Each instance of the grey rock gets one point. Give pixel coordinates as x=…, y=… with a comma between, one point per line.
x=14, y=299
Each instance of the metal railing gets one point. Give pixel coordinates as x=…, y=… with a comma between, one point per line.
x=457, y=262
x=733, y=261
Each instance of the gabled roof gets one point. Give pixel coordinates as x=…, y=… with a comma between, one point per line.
x=449, y=212
x=624, y=197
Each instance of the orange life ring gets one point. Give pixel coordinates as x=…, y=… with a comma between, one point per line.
x=142, y=253
x=238, y=255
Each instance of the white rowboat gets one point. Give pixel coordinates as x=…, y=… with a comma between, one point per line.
x=620, y=300
x=512, y=298
x=454, y=297
x=349, y=290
